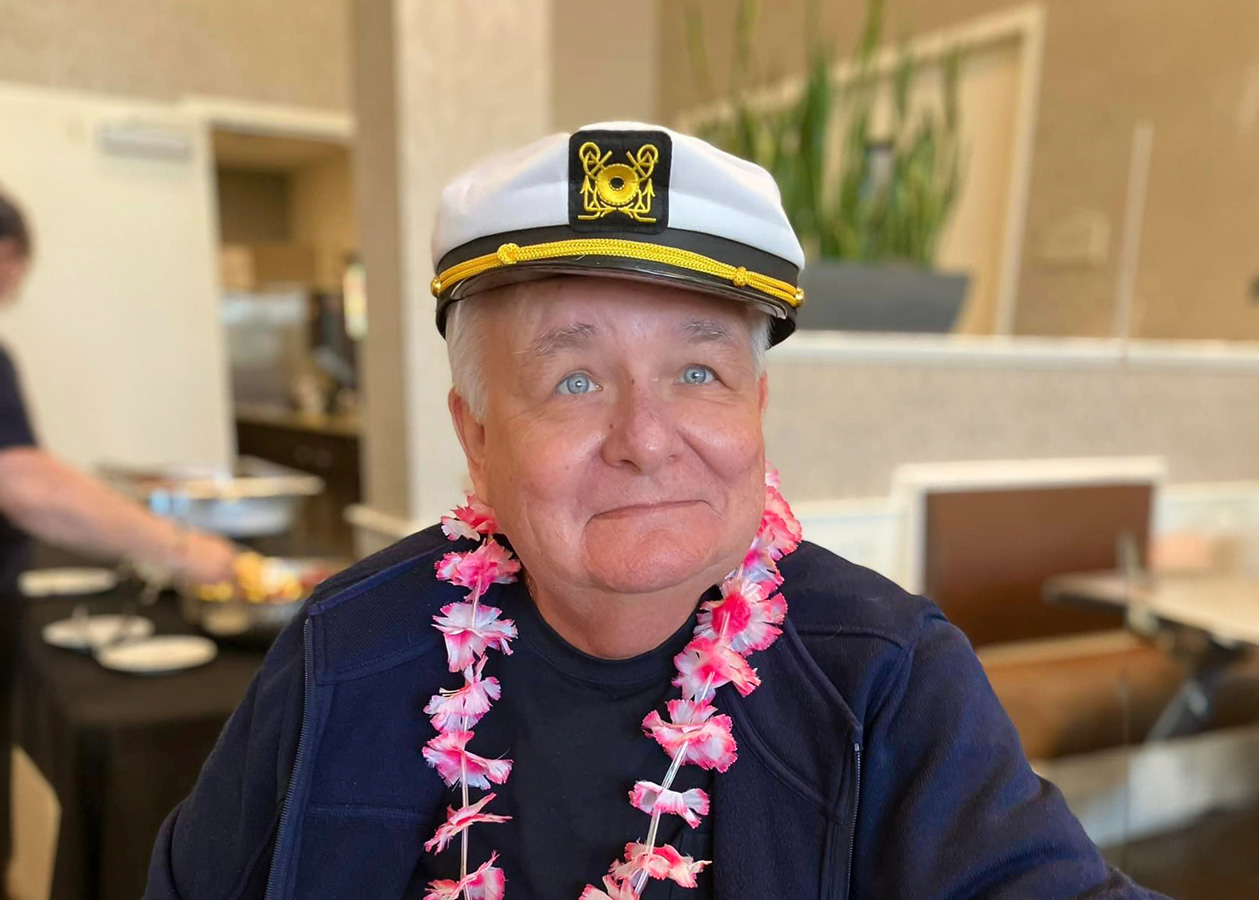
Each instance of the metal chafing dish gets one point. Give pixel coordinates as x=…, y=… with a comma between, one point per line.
x=236, y=619
x=253, y=498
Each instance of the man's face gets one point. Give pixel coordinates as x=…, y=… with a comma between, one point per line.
x=622, y=446
x=12, y=269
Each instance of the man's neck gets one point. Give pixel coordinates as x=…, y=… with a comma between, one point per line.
x=616, y=626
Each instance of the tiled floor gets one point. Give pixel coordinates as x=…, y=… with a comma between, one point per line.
x=1217, y=858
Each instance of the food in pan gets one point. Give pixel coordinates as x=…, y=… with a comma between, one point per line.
x=263, y=579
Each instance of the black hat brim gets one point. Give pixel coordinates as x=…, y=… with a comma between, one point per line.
x=782, y=314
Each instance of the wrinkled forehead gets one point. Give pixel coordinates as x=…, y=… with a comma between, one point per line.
x=572, y=308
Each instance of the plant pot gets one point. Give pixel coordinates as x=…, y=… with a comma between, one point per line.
x=872, y=297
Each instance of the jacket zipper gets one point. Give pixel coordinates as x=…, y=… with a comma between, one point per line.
x=856, y=807
x=280, y=856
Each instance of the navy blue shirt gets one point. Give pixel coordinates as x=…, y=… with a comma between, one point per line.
x=15, y=431
x=572, y=725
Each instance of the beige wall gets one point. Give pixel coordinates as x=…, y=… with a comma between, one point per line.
x=117, y=327
x=427, y=109
x=876, y=415
x=382, y=361
x=1190, y=68
x=253, y=206
x=308, y=203
x=293, y=52
x=483, y=88
x=606, y=64
x=323, y=216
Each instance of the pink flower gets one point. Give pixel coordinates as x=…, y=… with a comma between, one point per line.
x=448, y=566
x=486, y=883
x=613, y=889
x=771, y=477
x=706, y=737
x=706, y=664
x=744, y=618
x=447, y=754
x=778, y=535
x=662, y=862
x=470, y=632
x=779, y=526
x=471, y=521
x=758, y=564
x=690, y=805
x=491, y=563
x=459, y=819
x=463, y=708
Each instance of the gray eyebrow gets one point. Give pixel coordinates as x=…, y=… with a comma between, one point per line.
x=578, y=334
x=553, y=340
x=702, y=331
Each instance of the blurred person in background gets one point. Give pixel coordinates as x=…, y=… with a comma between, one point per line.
x=45, y=498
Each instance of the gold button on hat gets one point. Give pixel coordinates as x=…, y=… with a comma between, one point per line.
x=620, y=199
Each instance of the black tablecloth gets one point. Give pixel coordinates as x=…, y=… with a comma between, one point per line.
x=120, y=750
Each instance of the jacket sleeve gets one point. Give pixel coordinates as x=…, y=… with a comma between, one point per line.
x=950, y=807
x=217, y=843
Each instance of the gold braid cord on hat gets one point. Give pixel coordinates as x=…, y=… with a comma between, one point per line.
x=509, y=254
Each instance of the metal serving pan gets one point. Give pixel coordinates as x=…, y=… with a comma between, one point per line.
x=253, y=498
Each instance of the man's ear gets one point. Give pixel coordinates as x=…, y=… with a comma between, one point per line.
x=472, y=438
x=762, y=392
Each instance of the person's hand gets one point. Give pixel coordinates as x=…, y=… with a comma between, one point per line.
x=207, y=558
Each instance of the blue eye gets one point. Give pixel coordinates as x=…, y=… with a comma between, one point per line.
x=577, y=383
x=697, y=374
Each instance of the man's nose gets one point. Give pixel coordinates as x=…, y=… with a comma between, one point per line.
x=641, y=431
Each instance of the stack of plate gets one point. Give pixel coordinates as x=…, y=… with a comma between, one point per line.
x=126, y=643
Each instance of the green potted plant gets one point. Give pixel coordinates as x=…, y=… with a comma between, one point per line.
x=871, y=215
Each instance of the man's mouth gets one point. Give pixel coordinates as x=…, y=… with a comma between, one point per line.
x=633, y=509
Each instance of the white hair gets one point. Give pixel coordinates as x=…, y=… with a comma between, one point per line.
x=465, y=338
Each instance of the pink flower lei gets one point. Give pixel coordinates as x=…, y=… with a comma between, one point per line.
x=744, y=619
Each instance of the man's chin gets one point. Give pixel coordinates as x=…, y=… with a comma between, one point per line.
x=660, y=566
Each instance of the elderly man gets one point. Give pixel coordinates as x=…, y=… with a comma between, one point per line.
x=617, y=671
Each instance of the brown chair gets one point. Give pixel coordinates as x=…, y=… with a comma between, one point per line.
x=1081, y=695
x=982, y=541
x=988, y=554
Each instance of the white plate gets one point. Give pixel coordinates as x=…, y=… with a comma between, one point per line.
x=167, y=653
x=66, y=582
x=93, y=631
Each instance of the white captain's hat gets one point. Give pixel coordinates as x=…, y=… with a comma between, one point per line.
x=620, y=199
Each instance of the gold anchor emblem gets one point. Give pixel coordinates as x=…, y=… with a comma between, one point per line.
x=618, y=187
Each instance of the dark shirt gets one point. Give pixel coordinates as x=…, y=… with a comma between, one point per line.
x=572, y=724
x=15, y=431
